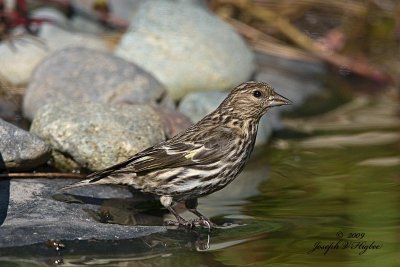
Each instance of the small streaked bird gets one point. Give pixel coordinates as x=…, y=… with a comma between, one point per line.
x=201, y=160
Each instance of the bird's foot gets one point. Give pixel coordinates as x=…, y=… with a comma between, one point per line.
x=204, y=221
x=180, y=222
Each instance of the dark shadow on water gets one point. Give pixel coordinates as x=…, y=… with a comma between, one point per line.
x=4, y=192
x=142, y=210
x=124, y=211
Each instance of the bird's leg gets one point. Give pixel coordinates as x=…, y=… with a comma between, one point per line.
x=180, y=220
x=168, y=203
x=191, y=205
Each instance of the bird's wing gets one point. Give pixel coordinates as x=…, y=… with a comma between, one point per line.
x=171, y=155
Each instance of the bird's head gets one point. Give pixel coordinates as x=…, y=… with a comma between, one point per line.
x=253, y=99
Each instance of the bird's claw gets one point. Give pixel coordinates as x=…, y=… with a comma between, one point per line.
x=184, y=223
x=203, y=221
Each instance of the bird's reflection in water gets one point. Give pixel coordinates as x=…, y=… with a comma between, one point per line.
x=105, y=252
x=150, y=248
x=140, y=210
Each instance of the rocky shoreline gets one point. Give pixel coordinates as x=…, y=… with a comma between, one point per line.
x=91, y=106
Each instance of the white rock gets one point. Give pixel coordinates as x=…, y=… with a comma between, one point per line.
x=186, y=48
x=19, y=58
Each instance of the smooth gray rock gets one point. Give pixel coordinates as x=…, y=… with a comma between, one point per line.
x=30, y=213
x=18, y=61
x=80, y=74
x=96, y=135
x=9, y=109
x=125, y=9
x=197, y=105
x=20, y=149
x=186, y=48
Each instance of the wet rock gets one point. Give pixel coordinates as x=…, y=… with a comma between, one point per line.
x=96, y=135
x=197, y=105
x=30, y=213
x=80, y=74
x=18, y=60
x=186, y=48
x=19, y=149
x=173, y=121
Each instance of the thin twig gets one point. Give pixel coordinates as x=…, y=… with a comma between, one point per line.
x=284, y=26
x=267, y=44
x=48, y=175
x=353, y=8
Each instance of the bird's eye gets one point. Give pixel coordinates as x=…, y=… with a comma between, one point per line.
x=257, y=94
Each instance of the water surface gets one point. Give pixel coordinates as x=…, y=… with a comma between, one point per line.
x=288, y=207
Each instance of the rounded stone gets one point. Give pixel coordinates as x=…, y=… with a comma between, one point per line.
x=81, y=74
x=21, y=55
x=186, y=48
x=19, y=149
x=96, y=135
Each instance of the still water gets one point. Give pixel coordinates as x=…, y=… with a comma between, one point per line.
x=296, y=204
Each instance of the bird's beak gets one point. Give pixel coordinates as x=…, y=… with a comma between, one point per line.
x=278, y=100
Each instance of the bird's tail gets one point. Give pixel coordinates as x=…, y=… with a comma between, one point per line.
x=78, y=184
x=99, y=177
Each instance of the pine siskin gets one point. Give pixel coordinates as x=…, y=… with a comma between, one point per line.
x=201, y=160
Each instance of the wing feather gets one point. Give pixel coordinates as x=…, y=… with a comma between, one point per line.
x=171, y=155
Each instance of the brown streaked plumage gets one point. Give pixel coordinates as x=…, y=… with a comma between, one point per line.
x=201, y=160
